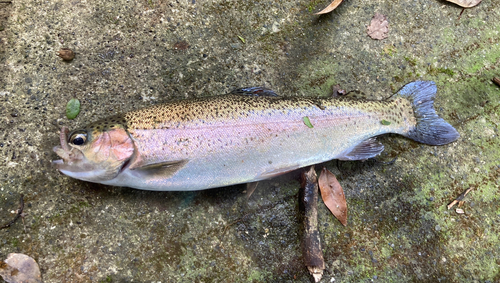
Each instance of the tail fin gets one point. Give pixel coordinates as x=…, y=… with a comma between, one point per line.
x=430, y=128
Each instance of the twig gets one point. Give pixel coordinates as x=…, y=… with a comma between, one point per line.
x=234, y=222
x=459, y=198
x=313, y=256
x=19, y=214
x=459, y=16
x=5, y=2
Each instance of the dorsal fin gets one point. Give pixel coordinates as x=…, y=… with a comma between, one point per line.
x=254, y=91
x=366, y=149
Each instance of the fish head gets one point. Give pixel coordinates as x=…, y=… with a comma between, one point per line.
x=96, y=153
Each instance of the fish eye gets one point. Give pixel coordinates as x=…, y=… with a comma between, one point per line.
x=78, y=138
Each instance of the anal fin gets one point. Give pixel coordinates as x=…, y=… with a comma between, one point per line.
x=366, y=149
x=251, y=187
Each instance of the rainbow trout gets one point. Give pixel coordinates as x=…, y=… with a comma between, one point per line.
x=218, y=141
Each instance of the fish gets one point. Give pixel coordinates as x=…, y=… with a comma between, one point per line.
x=245, y=136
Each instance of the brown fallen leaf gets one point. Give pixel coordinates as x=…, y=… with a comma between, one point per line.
x=496, y=80
x=19, y=268
x=181, y=45
x=379, y=27
x=66, y=54
x=330, y=7
x=465, y=3
x=333, y=195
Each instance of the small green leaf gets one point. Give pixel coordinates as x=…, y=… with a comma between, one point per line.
x=241, y=38
x=72, y=108
x=385, y=122
x=307, y=122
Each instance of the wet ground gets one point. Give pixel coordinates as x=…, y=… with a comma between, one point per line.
x=131, y=54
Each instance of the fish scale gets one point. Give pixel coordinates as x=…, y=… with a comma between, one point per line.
x=232, y=123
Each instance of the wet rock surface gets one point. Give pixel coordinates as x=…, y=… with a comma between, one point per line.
x=133, y=54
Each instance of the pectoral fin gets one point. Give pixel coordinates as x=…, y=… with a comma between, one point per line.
x=161, y=170
x=366, y=149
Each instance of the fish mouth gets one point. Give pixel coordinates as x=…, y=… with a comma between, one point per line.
x=60, y=163
x=68, y=154
x=72, y=163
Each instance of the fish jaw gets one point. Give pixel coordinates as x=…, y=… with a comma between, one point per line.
x=74, y=164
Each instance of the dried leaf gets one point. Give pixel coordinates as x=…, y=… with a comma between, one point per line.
x=496, y=80
x=465, y=3
x=20, y=268
x=330, y=7
x=333, y=195
x=181, y=45
x=66, y=54
x=379, y=27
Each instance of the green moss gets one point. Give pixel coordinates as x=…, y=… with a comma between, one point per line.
x=434, y=71
x=255, y=275
x=316, y=79
x=398, y=79
x=312, y=5
x=385, y=252
x=448, y=36
x=489, y=192
x=479, y=59
x=411, y=61
x=389, y=50
x=83, y=204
